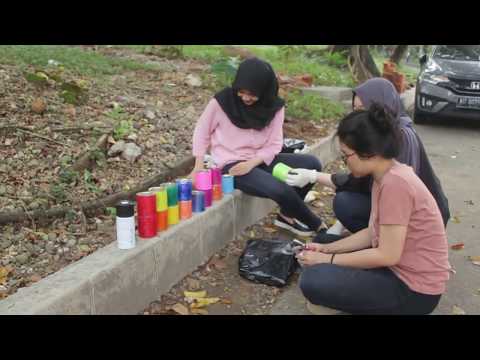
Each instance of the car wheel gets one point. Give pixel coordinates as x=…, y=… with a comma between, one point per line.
x=419, y=118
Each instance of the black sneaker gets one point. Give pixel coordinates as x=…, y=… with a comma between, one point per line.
x=297, y=227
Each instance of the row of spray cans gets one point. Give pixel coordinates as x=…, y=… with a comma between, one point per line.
x=166, y=205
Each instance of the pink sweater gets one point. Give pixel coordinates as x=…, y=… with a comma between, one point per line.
x=228, y=143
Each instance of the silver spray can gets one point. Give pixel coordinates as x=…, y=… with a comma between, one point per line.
x=126, y=225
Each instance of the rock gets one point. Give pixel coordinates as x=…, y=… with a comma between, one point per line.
x=84, y=248
x=4, y=244
x=149, y=114
x=50, y=248
x=193, y=80
x=71, y=243
x=22, y=258
x=52, y=237
x=131, y=152
x=30, y=247
x=39, y=106
x=132, y=137
x=117, y=148
x=3, y=190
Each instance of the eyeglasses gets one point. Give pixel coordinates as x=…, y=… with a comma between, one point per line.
x=346, y=156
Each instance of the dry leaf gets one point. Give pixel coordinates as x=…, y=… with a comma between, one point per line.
x=199, y=311
x=270, y=230
x=202, y=302
x=111, y=140
x=180, y=309
x=474, y=258
x=35, y=278
x=4, y=271
x=456, y=220
x=193, y=284
x=458, y=246
x=195, y=294
x=226, y=302
x=318, y=204
x=458, y=310
x=9, y=142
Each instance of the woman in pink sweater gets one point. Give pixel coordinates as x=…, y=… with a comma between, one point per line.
x=242, y=126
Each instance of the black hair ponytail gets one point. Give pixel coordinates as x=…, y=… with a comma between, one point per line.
x=371, y=132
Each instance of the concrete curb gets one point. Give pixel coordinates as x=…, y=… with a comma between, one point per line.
x=113, y=281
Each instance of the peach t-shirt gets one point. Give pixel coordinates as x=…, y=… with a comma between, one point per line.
x=401, y=198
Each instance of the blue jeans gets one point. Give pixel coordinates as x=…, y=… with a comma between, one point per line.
x=352, y=209
x=359, y=291
x=260, y=182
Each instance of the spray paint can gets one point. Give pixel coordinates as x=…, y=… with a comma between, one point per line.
x=184, y=189
x=147, y=214
x=228, y=184
x=125, y=226
x=198, y=201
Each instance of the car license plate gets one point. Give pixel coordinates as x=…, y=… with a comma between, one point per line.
x=469, y=102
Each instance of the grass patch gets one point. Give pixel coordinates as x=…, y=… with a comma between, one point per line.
x=312, y=107
x=73, y=59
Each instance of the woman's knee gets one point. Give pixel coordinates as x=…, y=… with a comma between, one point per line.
x=342, y=206
x=316, y=283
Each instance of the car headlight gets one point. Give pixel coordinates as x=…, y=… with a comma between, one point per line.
x=435, y=78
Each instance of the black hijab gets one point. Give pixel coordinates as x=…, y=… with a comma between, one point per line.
x=258, y=77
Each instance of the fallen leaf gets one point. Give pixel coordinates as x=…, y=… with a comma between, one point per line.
x=252, y=234
x=35, y=278
x=458, y=246
x=193, y=284
x=202, y=302
x=474, y=258
x=199, y=311
x=458, y=310
x=195, y=295
x=111, y=140
x=218, y=264
x=180, y=309
x=226, y=302
x=456, y=220
x=318, y=204
x=270, y=230
x=4, y=271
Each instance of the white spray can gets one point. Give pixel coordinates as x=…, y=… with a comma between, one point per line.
x=126, y=225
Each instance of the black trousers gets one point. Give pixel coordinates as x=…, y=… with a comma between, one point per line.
x=260, y=182
x=361, y=291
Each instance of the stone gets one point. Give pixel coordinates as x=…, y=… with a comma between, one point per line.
x=117, y=148
x=71, y=243
x=193, y=80
x=4, y=244
x=131, y=152
x=149, y=114
x=52, y=237
x=22, y=258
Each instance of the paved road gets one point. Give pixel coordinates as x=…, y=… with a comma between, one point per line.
x=454, y=150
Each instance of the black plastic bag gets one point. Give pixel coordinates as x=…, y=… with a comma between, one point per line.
x=290, y=145
x=269, y=262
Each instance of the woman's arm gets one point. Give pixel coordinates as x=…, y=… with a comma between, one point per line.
x=388, y=253
x=206, y=124
x=358, y=241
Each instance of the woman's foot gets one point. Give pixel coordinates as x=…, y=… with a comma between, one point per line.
x=292, y=225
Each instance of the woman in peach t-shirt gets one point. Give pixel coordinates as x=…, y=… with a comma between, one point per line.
x=399, y=264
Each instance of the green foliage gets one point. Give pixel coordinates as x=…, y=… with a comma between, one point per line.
x=73, y=94
x=111, y=211
x=90, y=182
x=312, y=107
x=58, y=192
x=68, y=176
x=225, y=70
x=124, y=126
x=287, y=52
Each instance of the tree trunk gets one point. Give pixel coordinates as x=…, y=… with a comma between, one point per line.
x=398, y=53
x=90, y=207
x=360, y=61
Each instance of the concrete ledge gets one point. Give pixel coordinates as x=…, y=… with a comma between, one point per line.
x=113, y=281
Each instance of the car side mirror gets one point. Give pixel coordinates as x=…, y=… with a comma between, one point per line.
x=423, y=60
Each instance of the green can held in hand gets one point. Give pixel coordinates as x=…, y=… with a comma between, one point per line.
x=280, y=171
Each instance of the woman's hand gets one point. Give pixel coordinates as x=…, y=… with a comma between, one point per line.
x=309, y=258
x=323, y=248
x=242, y=168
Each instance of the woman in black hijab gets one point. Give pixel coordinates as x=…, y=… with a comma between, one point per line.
x=243, y=128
